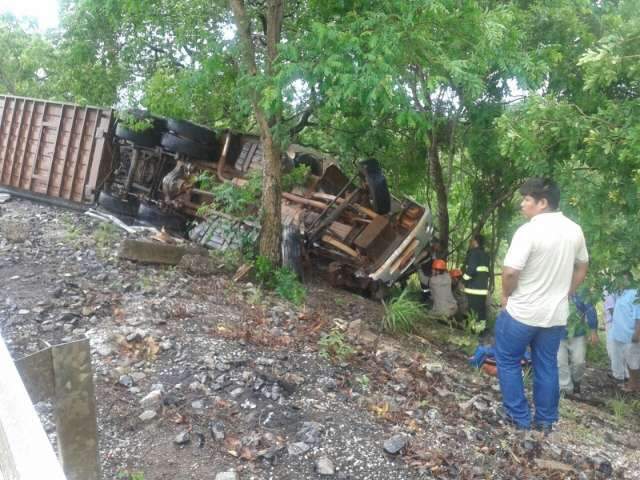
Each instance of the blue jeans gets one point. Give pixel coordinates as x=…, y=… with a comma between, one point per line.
x=512, y=340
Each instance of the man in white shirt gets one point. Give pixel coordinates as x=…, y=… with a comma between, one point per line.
x=545, y=263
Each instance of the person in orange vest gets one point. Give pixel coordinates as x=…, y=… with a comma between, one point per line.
x=476, y=277
x=440, y=284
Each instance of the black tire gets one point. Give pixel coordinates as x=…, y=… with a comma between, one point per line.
x=120, y=206
x=379, y=195
x=177, y=144
x=153, y=215
x=192, y=131
x=312, y=162
x=292, y=249
x=147, y=138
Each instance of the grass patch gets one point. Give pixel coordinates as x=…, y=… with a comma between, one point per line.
x=281, y=280
x=105, y=235
x=228, y=260
x=624, y=409
x=126, y=475
x=402, y=313
x=335, y=345
x=597, y=354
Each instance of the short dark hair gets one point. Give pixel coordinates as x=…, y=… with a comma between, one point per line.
x=479, y=238
x=540, y=188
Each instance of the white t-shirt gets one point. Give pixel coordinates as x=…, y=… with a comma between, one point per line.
x=545, y=251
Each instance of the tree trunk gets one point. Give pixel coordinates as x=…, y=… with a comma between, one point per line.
x=271, y=213
x=270, y=218
x=441, y=191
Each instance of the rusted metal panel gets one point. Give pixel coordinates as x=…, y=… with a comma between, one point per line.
x=54, y=149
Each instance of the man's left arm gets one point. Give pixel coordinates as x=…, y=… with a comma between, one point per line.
x=510, y=278
x=579, y=274
x=581, y=265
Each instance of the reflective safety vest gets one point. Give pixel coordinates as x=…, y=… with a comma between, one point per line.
x=476, y=272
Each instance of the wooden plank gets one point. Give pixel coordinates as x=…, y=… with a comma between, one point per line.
x=55, y=149
x=27, y=145
x=330, y=217
x=3, y=111
x=157, y=253
x=67, y=150
x=303, y=201
x=330, y=198
x=37, y=154
x=76, y=157
x=85, y=174
x=328, y=239
x=371, y=232
x=3, y=156
x=17, y=142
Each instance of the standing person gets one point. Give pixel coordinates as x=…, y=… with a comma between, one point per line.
x=476, y=277
x=573, y=347
x=625, y=336
x=618, y=370
x=546, y=262
x=440, y=284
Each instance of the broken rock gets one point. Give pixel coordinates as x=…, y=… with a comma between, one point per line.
x=298, y=448
x=182, y=438
x=230, y=475
x=395, y=444
x=217, y=430
x=152, y=400
x=324, y=466
x=310, y=433
x=148, y=415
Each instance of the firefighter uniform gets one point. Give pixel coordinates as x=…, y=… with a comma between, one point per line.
x=476, y=281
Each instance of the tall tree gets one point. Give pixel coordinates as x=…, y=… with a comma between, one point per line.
x=385, y=73
x=27, y=59
x=271, y=16
x=583, y=129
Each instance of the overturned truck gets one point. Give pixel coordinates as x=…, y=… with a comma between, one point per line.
x=146, y=169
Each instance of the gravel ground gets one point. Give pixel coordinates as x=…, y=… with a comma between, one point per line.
x=198, y=375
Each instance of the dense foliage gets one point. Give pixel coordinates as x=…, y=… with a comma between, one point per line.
x=460, y=100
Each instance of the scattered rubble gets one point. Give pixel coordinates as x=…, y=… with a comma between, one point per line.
x=195, y=378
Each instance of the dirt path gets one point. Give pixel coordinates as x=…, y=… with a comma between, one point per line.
x=232, y=379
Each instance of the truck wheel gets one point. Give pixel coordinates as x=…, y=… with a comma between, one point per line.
x=147, y=138
x=192, y=131
x=292, y=249
x=153, y=215
x=127, y=206
x=379, y=195
x=174, y=143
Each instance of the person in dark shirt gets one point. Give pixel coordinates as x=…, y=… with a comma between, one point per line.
x=476, y=277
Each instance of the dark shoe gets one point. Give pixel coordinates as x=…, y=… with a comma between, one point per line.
x=507, y=419
x=545, y=428
x=617, y=380
x=633, y=385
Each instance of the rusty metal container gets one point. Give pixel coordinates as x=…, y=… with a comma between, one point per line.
x=54, y=149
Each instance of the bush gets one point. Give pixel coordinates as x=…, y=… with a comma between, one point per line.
x=334, y=345
x=297, y=177
x=401, y=313
x=282, y=280
x=230, y=198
